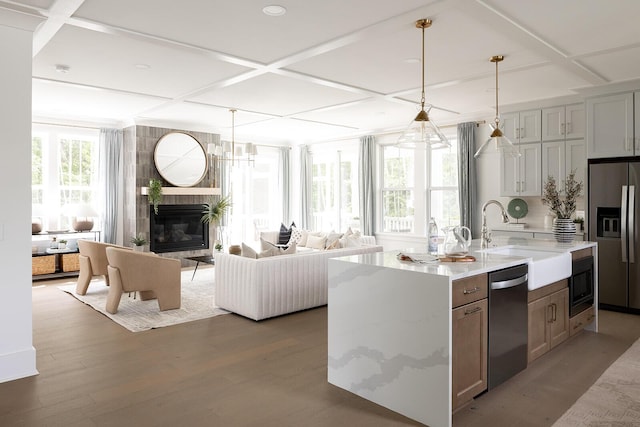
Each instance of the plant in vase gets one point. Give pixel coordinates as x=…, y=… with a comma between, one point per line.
x=138, y=241
x=564, y=228
x=213, y=213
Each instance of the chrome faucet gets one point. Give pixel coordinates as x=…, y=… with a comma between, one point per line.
x=486, y=234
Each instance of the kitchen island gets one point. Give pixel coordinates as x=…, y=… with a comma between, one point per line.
x=390, y=325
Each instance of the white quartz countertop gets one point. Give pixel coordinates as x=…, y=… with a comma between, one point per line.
x=485, y=262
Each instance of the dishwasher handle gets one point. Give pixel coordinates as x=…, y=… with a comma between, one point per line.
x=504, y=284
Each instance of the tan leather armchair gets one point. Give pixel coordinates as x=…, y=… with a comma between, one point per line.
x=151, y=275
x=93, y=262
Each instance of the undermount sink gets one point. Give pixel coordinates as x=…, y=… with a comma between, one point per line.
x=545, y=266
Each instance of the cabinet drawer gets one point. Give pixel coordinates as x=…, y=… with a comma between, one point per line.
x=469, y=289
x=582, y=253
x=580, y=320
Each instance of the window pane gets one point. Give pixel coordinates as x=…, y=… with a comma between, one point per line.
x=398, y=211
x=398, y=190
x=445, y=207
x=444, y=167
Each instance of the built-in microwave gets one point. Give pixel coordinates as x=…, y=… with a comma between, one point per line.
x=581, y=291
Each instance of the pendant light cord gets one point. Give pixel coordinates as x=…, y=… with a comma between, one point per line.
x=423, y=55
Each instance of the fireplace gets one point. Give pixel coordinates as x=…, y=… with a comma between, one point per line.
x=177, y=228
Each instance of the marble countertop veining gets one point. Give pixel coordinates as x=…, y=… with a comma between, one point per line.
x=485, y=262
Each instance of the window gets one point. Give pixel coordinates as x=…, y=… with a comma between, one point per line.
x=334, y=200
x=419, y=184
x=64, y=171
x=257, y=198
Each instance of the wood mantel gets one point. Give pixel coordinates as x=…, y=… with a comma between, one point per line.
x=185, y=191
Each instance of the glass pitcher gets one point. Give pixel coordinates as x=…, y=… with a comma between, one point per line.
x=457, y=240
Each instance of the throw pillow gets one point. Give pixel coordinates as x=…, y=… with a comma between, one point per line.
x=316, y=242
x=332, y=238
x=333, y=245
x=303, y=239
x=290, y=250
x=352, y=240
x=268, y=253
x=248, y=252
x=266, y=245
x=285, y=233
x=296, y=236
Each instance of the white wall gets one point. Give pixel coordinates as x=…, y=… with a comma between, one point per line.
x=17, y=354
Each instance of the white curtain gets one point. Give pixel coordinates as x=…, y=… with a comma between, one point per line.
x=285, y=183
x=467, y=173
x=366, y=184
x=109, y=168
x=305, y=187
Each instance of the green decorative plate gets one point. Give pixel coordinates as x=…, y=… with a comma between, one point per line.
x=517, y=208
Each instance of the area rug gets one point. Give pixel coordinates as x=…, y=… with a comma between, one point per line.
x=614, y=399
x=198, y=302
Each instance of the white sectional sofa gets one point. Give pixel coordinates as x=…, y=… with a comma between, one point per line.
x=267, y=287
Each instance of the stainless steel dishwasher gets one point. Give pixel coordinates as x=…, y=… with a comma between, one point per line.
x=508, y=324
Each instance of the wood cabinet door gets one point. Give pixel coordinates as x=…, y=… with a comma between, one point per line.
x=559, y=325
x=539, y=316
x=469, y=344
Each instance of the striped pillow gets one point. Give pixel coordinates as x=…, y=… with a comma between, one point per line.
x=285, y=234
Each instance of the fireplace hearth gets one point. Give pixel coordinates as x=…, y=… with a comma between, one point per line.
x=177, y=228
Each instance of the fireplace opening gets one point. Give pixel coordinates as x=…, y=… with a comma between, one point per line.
x=177, y=228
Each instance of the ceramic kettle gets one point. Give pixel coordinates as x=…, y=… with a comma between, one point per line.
x=457, y=240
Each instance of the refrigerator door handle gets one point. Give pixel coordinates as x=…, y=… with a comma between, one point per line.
x=632, y=226
x=623, y=226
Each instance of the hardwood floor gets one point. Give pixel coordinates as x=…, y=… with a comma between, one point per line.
x=231, y=371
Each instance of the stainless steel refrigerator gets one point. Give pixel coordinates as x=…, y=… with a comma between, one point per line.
x=614, y=224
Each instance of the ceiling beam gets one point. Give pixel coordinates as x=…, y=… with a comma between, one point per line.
x=58, y=14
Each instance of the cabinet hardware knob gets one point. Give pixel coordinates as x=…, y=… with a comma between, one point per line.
x=470, y=291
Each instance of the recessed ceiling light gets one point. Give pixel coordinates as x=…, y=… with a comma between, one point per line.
x=274, y=10
x=64, y=69
x=143, y=66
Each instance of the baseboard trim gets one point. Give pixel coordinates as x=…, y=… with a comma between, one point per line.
x=18, y=365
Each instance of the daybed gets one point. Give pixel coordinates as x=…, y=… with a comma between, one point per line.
x=267, y=287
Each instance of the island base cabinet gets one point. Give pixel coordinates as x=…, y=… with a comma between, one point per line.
x=469, y=343
x=548, y=322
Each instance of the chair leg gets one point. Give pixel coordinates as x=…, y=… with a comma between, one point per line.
x=115, y=290
x=169, y=299
x=85, y=275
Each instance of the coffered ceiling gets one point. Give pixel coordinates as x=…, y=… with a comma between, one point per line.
x=325, y=69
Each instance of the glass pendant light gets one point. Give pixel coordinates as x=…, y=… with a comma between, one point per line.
x=501, y=143
x=422, y=131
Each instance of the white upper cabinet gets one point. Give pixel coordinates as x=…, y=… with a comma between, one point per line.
x=563, y=122
x=559, y=158
x=521, y=176
x=523, y=126
x=610, y=126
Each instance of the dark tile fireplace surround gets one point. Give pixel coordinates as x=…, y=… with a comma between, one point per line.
x=139, y=168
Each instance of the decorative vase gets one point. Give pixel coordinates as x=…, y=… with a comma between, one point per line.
x=564, y=230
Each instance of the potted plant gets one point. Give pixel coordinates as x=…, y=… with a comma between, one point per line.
x=564, y=228
x=138, y=242
x=154, y=194
x=62, y=244
x=213, y=213
x=579, y=221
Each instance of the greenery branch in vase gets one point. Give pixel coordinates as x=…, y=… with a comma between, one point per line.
x=213, y=213
x=154, y=194
x=562, y=208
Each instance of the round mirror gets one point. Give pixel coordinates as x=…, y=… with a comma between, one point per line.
x=180, y=159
